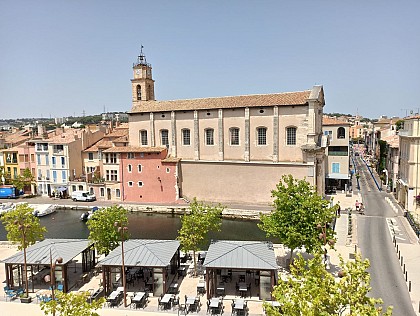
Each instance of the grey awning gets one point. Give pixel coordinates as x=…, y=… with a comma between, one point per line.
x=252, y=255
x=39, y=253
x=143, y=253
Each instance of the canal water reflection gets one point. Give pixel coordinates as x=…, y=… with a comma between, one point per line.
x=67, y=224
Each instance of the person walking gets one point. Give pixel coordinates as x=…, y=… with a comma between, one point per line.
x=357, y=204
x=338, y=208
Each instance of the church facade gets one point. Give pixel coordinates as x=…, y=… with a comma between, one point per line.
x=232, y=149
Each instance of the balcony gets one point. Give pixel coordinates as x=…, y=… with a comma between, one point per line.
x=337, y=153
x=43, y=148
x=58, y=152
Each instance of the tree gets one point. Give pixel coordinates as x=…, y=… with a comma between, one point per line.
x=311, y=290
x=299, y=213
x=103, y=233
x=72, y=304
x=196, y=225
x=24, y=180
x=23, y=229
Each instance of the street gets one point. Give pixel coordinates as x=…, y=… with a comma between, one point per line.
x=374, y=238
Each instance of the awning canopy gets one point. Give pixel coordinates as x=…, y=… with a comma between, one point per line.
x=246, y=255
x=143, y=253
x=39, y=253
x=341, y=176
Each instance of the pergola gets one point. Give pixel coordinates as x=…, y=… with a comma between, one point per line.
x=160, y=256
x=244, y=257
x=39, y=257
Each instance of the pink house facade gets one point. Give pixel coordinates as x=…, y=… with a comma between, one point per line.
x=147, y=175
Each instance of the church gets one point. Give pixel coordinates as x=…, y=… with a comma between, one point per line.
x=231, y=149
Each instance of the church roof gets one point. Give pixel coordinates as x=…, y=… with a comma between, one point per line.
x=256, y=100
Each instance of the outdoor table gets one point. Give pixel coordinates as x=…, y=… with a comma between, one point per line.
x=173, y=288
x=113, y=295
x=243, y=288
x=120, y=289
x=191, y=303
x=201, y=287
x=166, y=300
x=239, y=303
x=182, y=271
x=215, y=305
x=139, y=298
x=220, y=290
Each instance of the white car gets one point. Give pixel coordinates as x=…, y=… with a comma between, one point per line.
x=83, y=196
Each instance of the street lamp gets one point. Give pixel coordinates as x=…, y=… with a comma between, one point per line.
x=51, y=278
x=122, y=230
x=23, y=228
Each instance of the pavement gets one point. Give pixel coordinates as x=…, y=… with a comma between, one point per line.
x=345, y=247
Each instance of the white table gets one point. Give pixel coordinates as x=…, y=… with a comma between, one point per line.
x=173, y=288
x=113, y=295
x=190, y=300
x=214, y=302
x=239, y=304
x=139, y=297
x=166, y=298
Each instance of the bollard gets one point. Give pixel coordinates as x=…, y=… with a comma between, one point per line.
x=399, y=254
x=397, y=251
x=409, y=286
x=404, y=268
x=355, y=249
x=402, y=260
x=406, y=276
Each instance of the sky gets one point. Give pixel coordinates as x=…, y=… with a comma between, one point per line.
x=69, y=58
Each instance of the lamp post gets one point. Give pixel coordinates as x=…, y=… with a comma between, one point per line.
x=23, y=229
x=51, y=278
x=122, y=230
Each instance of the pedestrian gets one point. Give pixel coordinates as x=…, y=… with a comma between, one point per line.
x=362, y=209
x=357, y=205
x=338, y=208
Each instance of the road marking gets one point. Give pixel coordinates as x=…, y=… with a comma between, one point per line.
x=394, y=230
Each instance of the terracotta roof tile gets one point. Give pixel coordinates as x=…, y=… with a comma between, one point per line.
x=256, y=100
x=100, y=144
x=392, y=140
x=326, y=120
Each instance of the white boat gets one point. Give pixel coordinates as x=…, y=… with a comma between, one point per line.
x=6, y=207
x=88, y=215
x=43, y=209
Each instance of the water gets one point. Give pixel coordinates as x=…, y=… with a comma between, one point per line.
x=67, y=224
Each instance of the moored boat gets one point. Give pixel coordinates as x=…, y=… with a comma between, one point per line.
x=43, y=209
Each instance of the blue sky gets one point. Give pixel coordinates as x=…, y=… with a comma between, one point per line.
x=60, y=58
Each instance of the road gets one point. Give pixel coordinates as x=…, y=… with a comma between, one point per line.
x=375, y=242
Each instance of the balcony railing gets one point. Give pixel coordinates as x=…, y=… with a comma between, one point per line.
x=337, y=153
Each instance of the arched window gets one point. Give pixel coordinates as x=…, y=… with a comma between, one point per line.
x=186, y=137
x=209, y=136
x=291, y=136
x=164, y=137
x=234, y=136
x=341, y=132
x=138, y=92
x=262, y=136
x=143, y=137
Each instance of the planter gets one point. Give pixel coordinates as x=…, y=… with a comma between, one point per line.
x=26, y=299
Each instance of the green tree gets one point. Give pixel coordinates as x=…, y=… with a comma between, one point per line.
x=23, y=229
x=196, y=225
x=24, y=180
x=72, y=304
x=300, y=215
x=311, y=290
x=102, y=231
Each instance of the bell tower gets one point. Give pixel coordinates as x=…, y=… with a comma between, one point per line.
x=143, y=85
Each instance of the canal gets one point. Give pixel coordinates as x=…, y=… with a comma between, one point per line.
x=67, y=224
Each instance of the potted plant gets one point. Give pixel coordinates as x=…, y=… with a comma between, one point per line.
x=25, y=298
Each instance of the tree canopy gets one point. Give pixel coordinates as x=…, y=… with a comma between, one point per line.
x=300, y=215
x=23, y=180
x=72, y=304
x=311, y=290
x=21, y=221
x=102, y=230
x=196, y=225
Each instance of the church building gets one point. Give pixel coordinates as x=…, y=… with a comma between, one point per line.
x=231, y=149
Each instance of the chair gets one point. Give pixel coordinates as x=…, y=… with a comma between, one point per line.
x=60, y=287
x=182, y=309
x=175, y=302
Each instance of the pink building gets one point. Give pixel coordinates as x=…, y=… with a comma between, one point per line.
x=147, y=175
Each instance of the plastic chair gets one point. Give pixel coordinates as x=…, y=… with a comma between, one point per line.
x=60, y=287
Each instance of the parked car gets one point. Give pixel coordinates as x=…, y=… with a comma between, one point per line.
x=83, y=196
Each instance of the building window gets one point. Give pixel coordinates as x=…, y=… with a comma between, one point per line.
x=130, y=183
x=111, y=175
x=130, y=156
x=54, y=176
x=91, y=191
x=186, y=137
x=102, y=191
x=129, y=168
x=48, y=175
x=209, y=135
x=47, y=160
x=39, y=174
x=63, y=176
x=90, y=156
x=53, y=160
x=234, y=136
x=110, y=158
x=38, y=158
x=138, y=92
x=262, y=136
x=63, y=161
x=341, y=132
x=140, y=184
x=143, y=138
x=139, y=168
x=117, y=193
x=168, y=170
x=164, y=137
x=335, y=167
x=328, y=133
x=291, y=136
